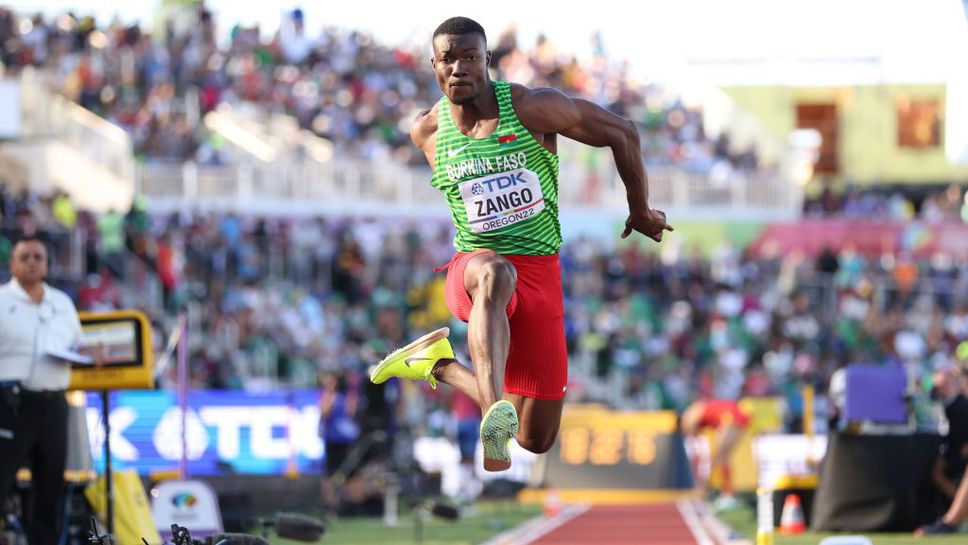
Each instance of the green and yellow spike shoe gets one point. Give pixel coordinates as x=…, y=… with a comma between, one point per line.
x=416, y=360
x=499, y=425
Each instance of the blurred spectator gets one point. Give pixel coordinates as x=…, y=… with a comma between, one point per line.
x=280, y=299
x=467, y=417
x=949, y=389
x=110, y=236
x=949, y=204
x=340, y=429
x=342, y=85
x=63, y=211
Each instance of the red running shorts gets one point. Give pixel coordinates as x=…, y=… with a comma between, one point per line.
x=537, y=365
x=718, y=412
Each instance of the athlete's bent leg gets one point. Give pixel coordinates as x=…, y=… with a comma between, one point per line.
x=489, y=280
x=538, y=419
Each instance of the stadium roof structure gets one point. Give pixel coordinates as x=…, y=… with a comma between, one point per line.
x=831, y=43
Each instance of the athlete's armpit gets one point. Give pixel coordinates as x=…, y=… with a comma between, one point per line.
x=422, y=131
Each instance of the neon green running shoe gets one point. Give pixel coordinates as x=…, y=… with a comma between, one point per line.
x=499, y=425
x=416, y=360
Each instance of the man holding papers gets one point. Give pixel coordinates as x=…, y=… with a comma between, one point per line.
x=37, y=322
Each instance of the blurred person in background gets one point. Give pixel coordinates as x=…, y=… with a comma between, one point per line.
x=727, y=421
x=36, y=319
x=467, y=417
x=949, y=390
x=339, y=428
x=951, y=387
x=493, y=149
x=954, y=517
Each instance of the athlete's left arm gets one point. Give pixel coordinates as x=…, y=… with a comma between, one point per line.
x=549, y=111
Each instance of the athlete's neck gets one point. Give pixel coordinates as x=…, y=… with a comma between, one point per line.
x=484, y=108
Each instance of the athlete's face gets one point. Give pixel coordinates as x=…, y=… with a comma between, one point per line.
x=460, y=62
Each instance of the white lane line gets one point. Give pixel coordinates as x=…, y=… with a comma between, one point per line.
x=691, y=519
x=537, y=527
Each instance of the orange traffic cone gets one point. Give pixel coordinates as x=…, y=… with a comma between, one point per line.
x=552, y=503
x=791, y=522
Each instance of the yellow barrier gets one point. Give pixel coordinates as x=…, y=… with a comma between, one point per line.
x=132, y=511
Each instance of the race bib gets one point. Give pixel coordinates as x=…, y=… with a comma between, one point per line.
x=497, y=201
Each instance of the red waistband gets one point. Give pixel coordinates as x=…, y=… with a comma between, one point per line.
x=517, y=259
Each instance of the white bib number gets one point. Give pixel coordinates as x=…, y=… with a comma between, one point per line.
x=496, y=201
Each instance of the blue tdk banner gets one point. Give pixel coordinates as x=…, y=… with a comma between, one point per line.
x=227, y=431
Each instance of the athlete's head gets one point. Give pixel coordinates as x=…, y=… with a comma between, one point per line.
x=461, y=59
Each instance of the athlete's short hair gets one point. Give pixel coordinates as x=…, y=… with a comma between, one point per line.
x=460, y=25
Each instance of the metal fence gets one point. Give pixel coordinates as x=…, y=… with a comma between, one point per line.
x=358, y=181
x=48, y=114
x=587, y=176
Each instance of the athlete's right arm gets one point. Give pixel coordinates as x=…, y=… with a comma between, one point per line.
x=549, y=111
x=423, y=132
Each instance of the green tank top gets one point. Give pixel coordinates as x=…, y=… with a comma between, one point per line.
x=502, y=190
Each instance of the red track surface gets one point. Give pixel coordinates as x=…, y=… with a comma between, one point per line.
x=659, y=524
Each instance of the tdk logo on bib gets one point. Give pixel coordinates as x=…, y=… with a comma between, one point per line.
x=493, y=202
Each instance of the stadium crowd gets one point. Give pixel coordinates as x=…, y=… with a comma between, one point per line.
x=313, y=302
x=933, y=206
x=279, y=300
x=342, y=85
x=360, y=94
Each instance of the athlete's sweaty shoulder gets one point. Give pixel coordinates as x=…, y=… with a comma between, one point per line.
x=544, y=110
x=424, y=126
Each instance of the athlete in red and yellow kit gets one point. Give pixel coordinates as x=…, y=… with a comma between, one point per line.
x=493, y=146
x=727, y=420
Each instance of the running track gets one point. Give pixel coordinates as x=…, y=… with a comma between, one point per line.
x=652, y=524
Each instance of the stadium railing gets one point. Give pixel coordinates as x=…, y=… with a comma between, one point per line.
x=346, y=180
x=305, y=169
x=48, y=114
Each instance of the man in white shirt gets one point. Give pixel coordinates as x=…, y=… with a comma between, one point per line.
x=35, y=319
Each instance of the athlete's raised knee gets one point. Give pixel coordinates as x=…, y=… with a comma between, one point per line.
x=536, y=444
x=496, y=279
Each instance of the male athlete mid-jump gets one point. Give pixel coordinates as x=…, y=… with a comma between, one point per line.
x=492, y=146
